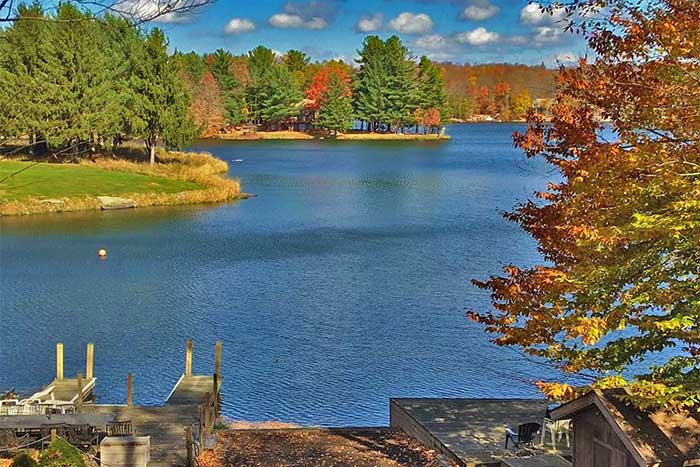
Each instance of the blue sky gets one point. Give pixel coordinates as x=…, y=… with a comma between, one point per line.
x=461, y=31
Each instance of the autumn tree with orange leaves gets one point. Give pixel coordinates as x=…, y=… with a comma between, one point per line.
x=618, y=299
x=207, y=106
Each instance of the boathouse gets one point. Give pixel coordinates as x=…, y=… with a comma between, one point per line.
x=609, y=431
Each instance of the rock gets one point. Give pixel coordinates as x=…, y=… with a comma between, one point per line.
x=112, y=202
x=53, y=202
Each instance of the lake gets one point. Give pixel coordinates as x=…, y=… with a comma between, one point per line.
x=343, y=283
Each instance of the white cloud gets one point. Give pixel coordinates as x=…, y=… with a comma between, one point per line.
x=412, y=23
x=239, y=26
x=532, y=14
x=566, y=58
x=479, y=36
x=518, y=39
x=175, y=11
x=370, y=23
x=479, y=10
x=548, y=34
x=431, y=42
x=286, y=21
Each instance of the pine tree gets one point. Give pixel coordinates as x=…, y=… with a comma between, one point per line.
x=26, y=58
x=282, y=98
x=229, y=85
x=159, y=99
x=400, y=88
x=336, y=106
x=370, y=86
x=261, y=62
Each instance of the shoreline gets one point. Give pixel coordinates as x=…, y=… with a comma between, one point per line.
x=300, y=136
x=193, y=169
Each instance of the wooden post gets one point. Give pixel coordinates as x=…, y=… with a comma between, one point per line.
x=129, y=389
x=79, y=402
x=217, y=360
x=207, y=403
x=216, y=396
x=59, y=362
x=217, y=380
x=54, y=435
x=188, y=358
x=188, y=446
x=89, y=360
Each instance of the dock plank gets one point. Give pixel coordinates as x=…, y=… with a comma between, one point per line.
x=165, y=425
x=191, y=390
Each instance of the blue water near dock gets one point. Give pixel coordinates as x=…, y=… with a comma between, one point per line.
x=343, y=283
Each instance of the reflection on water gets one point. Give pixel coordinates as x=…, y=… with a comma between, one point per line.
x=95, y=222
x=342, y=284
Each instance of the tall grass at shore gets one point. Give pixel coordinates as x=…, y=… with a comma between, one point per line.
x=203, y=176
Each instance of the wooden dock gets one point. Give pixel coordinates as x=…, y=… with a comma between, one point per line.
x=466, y=431
x=184, y=422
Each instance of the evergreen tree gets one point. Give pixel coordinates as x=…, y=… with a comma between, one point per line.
x=123, y=41
x=159, y=97
x=86, y=100
x=261, y=62
x=230, y=86
x=431, y=86
x=26, y=58
x=336, y=109
x=191, y=64
x=369, y=94
x=282, y=98
x=296, y=60
x=400, y=89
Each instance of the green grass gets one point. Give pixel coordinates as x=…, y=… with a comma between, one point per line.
x=72, y=180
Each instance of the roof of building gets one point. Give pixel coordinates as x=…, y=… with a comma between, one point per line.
x=653, y=437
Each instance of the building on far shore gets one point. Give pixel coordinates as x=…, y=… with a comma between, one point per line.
x=610, y=432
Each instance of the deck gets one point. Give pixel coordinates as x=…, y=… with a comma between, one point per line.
x=192, y=389
x=165, y=425
x=467, y=431
x=185, y=421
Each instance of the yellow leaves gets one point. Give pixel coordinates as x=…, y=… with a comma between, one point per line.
x=610, y=382
x=589, y=330
x=557, y=391
x=678, y=322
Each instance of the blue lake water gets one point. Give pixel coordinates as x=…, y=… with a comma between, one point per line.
x=343, y=283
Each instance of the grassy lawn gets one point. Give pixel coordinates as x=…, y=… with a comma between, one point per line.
x=72, y=180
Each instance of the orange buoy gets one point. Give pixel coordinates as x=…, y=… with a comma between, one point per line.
x=102, y=253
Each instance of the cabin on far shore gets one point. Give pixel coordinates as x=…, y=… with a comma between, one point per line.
x=610, y=432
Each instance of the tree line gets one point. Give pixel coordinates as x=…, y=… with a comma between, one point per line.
x=389, y=90
x=74, y=85
x=502, y=90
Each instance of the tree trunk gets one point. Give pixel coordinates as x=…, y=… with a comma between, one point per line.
x=152, y=152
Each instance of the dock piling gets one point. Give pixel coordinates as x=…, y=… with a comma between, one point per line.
x=217, y=360
x=59, y=362
x=188, y=358
x=79, y=402
x=129, y=389
x=89, y=360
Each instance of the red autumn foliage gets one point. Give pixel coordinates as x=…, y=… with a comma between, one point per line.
x=316, y=93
